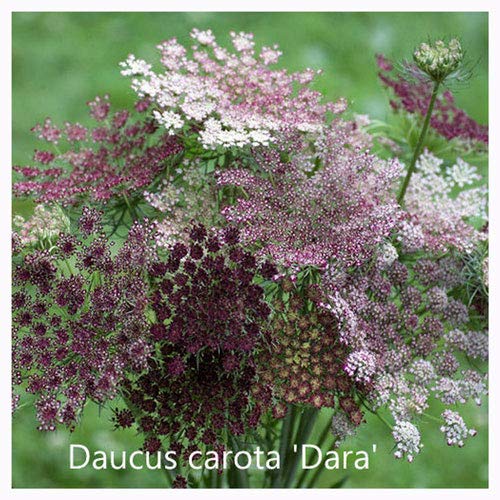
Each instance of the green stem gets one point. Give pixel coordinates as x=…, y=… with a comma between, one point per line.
x=305, y=427
x=115, y=227
x=240, y=476
x=132, y=212
x=218, y=480
x=317, y=472
x=432, y=417
x=286, y=429
x=322, y=437
x=69, y=267
x=270, y=436
x=420, y=143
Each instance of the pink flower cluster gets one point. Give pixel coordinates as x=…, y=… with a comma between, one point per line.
x=339, y=212
x=230, y=99
x=401, y=324
x=120, y=156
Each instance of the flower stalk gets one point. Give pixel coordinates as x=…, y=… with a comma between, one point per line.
x=418, y=148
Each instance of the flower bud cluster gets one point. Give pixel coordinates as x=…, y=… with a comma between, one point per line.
x=439, y=59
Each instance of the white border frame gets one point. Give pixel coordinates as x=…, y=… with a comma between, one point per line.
x=9, y=6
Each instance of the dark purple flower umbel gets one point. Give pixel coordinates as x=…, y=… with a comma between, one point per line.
x=210, y=318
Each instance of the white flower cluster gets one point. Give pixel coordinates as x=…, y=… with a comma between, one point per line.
x=473, y=343
x=462, y=174
x=472, y=385
x=407, y=438
x=423, y=371
x=387, y=254
x=385, y=385
x=170, y=120
x=133, y=66
x=231, y=99
x=242, y=41
x=361, y=365
x=403, y=407
x=214, y=134
x=45, y=223
x=439, y=219
x=454, y=428
x=341, y=427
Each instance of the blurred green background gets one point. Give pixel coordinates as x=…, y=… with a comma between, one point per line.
x=61, y=60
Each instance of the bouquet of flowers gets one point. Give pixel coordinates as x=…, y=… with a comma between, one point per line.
x=234, y=262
